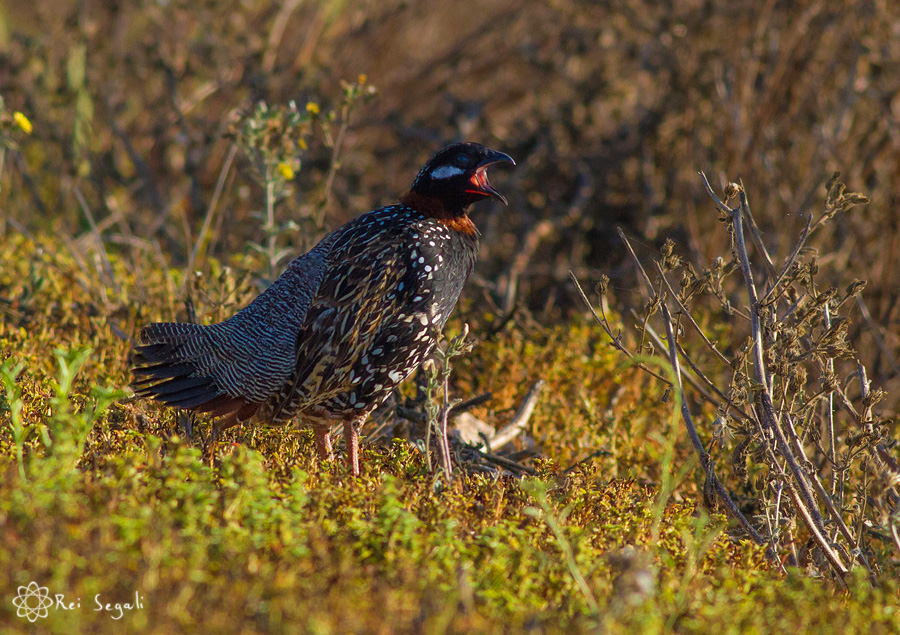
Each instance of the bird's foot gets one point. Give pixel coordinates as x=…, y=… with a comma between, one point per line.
x=323, y=444
x=351, y=440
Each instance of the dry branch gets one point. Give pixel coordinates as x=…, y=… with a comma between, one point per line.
x=783, y=388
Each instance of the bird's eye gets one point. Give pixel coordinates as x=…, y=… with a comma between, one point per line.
x=462, y=160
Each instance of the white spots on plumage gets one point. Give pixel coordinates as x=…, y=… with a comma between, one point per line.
x=446, y=172
x=412, y=249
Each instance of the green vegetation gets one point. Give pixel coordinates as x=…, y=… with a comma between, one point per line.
x=271, y=541
x=162, y=160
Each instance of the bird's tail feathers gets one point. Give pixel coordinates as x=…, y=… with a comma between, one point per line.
x=167, y=368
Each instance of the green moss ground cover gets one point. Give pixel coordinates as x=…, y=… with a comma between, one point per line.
x=107, y=499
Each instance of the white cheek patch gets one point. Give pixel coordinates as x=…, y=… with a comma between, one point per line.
x=446, y=171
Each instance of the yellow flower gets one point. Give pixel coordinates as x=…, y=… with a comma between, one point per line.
x=286, y=172
x=362, y=79
x=23, y=123
x=302, y=143
x=312, y=108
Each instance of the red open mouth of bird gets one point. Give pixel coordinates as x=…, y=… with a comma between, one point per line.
x=483, y=186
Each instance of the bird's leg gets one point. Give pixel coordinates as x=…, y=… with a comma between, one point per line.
x=323, y=443
x=351, y=440
x=216, y=431
x=212, y=444
x=217, y=427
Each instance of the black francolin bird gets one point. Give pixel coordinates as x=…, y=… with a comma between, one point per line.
x=343, y=325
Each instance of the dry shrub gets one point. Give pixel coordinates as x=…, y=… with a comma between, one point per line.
x=809, y=450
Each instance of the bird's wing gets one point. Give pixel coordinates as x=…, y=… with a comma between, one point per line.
x=366, y=285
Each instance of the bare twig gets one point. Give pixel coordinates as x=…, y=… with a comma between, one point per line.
x=700, y=376
x=894, y=535
x=637, y=263
x=804, y=498
x=417, y=417
x=755, y=233
x=520, y=420
x=443, y=440
x=829, y=411
x=468, y=404
x=705, y=460
x=615, y=340
x=270, y=223
x=210, y=212
x=690, y=318
x=105, y=269
x=276, y=33
x=789, y=262
x=337, y=144
x=516, y=468
x=786, y=371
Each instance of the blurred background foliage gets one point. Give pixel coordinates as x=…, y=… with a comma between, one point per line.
x=610, y=108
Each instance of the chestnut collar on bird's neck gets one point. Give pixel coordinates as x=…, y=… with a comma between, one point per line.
x=435, y=207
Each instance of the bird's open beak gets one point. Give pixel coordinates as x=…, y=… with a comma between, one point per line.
x=480, y=178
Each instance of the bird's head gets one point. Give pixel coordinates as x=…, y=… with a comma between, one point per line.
x=456, y=177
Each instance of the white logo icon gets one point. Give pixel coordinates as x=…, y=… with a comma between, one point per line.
x=32, y=602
